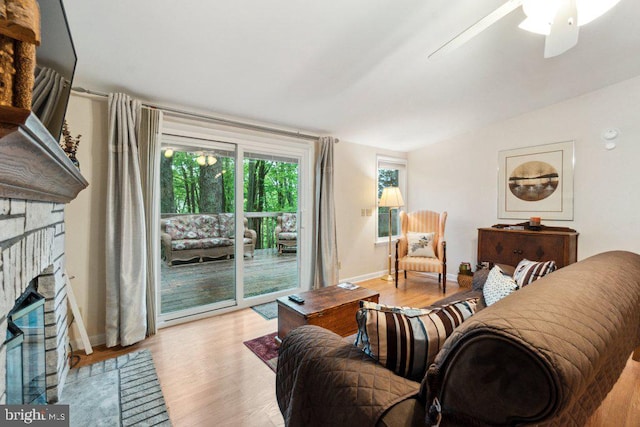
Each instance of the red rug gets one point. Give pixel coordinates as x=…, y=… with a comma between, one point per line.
x=266, y=349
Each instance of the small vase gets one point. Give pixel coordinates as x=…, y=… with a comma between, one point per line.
x=74, y=161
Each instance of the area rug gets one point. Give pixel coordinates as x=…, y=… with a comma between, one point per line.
x=123, y=391
x=268, y=310
x=266, y=349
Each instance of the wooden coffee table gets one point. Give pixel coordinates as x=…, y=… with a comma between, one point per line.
x=332, y=308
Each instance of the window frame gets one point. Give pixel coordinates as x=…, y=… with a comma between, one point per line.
x=383, y=162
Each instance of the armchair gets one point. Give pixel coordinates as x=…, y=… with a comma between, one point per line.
x=415, y=225
x=286, y=231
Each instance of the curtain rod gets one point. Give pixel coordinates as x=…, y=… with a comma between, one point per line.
x=212, y=119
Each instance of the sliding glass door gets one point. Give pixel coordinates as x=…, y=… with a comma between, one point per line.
x=271, y=186
x=197, y=232
x=207, y=188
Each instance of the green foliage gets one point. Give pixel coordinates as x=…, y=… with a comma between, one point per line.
x=269, y=186
x=387, y=178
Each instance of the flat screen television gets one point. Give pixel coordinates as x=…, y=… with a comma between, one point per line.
x=56, y=52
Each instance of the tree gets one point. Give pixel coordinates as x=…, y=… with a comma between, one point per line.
x=167, y=199
x=211, y=188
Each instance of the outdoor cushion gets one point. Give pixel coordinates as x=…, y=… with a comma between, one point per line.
x=287, y=236
x=212, y=242
x=289, y=222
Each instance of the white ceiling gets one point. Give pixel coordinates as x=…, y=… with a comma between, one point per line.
x=354, y=69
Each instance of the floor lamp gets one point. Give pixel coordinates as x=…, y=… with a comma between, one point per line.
x=391, y=198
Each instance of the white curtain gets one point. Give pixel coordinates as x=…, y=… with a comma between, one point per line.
x=149, y=141
x=47, y=88
x=126, y=249
x=325, y=241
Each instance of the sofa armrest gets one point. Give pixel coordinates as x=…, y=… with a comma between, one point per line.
x=251, y=234
x=322, y=379
x=550, y=351
x=277, y=230
x=165, y=238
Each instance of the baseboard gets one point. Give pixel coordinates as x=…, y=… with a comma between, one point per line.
x=450, y=277
x=95, y=340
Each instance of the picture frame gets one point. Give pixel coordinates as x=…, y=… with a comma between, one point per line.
x=536, y=181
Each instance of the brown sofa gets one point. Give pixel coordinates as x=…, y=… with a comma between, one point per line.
x=186, y=237
x=545, y=355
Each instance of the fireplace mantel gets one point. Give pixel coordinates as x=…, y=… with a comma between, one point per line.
x=32, y=164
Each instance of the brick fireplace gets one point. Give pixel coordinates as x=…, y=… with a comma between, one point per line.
x=32, y=244
x=36, y=180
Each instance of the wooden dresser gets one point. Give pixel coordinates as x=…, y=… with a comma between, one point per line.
x=503, y=246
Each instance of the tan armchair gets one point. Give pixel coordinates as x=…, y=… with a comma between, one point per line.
x=423, y=222
x=286, y=231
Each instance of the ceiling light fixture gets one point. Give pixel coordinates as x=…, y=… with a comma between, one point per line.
x=541, y=13
x=201, y=159
x=211, y=160
x=168, y=153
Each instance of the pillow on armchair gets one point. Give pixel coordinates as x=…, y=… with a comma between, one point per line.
x=421, y=244
x=407, y=340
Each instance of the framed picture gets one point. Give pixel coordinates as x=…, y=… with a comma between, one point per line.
x=536, y=181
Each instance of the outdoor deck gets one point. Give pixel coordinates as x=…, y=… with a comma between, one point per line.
x=193, y=284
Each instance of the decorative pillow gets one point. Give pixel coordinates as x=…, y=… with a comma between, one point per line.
x=530, y=271
x=421, y=244
x=498, y=286
x=407, y=340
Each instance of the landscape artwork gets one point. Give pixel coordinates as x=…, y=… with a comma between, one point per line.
x=536, y=181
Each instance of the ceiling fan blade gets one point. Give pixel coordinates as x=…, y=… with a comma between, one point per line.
x=477, y=28
x=564, y=30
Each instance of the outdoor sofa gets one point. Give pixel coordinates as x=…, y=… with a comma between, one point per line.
x=187, y=237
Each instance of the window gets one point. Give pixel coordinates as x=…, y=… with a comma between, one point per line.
x=392, y=172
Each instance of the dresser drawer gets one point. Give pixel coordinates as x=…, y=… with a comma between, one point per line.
x=511, y=246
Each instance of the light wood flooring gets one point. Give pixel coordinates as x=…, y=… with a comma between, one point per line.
x=209, y=377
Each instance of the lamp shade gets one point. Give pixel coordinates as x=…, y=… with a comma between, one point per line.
x=391, y=198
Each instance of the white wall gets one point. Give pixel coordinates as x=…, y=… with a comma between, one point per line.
x=355, y=176
x=85, y=217
x=460, y=175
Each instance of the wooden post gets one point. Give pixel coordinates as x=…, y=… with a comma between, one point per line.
x=71, y=297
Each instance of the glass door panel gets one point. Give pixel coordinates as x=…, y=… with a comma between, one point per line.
x=197, y=226
x=271, y=194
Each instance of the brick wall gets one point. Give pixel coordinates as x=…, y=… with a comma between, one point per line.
x=32, y=246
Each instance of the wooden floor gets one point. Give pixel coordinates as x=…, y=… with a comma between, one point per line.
x=209, y=377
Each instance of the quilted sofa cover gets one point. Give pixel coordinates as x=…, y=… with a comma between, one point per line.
x=545, y=355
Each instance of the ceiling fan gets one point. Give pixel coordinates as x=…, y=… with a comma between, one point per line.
x=558, y=20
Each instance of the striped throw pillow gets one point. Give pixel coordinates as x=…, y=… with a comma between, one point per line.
x=407, y=340
x=529, y=271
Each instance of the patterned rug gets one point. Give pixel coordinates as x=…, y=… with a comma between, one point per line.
x=116, y=392
x=266, y=349
x=268, y=310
